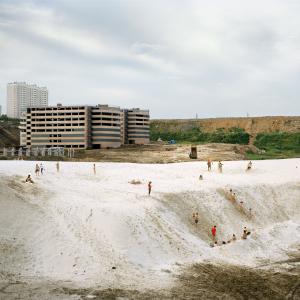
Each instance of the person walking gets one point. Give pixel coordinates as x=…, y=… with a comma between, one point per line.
x=149, y=187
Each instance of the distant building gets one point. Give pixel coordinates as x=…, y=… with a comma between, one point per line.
x=86, y=127
x=21, y=95
x=136, y=123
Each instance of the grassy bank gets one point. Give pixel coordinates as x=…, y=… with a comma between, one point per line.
x=276, y=145
x=194, y=135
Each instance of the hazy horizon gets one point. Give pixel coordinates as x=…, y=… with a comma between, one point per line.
x=178, y=59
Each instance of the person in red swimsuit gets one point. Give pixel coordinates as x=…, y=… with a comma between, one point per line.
x=214, y=231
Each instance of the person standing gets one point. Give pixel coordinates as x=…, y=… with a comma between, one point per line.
x=94, y=168
x=149, y=187
x=220, y=166
x=42, y=169
x=214, y=232
x=57, y=166
x=209, y=165
x=37, y=170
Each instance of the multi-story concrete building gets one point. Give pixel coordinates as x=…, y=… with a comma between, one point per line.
x=105, y=126
x=137, y=126
x=21, y=95
x=85, y=127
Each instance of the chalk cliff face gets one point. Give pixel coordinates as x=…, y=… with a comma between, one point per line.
x=253, y=125
x=99, y=230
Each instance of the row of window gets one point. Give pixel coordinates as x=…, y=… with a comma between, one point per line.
x=58, y=114
x=58, y=135
x=33, y=141
x=58, y=130
x=57, y=120
x=66, y=146
x=106, y=124
x=58, y=108
x=106, y=119
x=56, y=124
x=99, y=113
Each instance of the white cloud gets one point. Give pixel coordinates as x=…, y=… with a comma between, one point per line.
x=216, y=58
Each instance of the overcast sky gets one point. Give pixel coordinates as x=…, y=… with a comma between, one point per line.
x=177, y=58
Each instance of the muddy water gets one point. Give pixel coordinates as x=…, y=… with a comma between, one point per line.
x=201, y=281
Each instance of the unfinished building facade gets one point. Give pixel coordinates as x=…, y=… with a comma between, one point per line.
x=85, y=127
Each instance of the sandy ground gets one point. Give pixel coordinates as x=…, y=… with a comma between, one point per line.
x=74, y=234
x=162, y=153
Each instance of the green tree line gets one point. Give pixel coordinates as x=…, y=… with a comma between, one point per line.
x=194, y=135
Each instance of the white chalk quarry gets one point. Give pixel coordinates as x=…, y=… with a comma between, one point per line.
x=100, y=230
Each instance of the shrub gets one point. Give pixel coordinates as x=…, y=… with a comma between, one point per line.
x=278, y=141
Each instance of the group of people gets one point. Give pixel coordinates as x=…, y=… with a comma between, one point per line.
x=209, y=164
x=244, y=236
x=232, y=197
x=195, y=217
x=220, y=165
x=39, y=170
